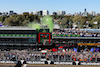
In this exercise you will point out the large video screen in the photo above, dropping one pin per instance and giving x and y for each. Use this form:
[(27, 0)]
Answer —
[(44, 37)]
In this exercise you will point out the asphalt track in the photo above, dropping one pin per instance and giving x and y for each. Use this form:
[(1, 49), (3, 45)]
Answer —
[(29, 65)]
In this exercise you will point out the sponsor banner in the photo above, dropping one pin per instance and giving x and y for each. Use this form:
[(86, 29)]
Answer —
[(29, 62), (35, 62), (40, 62), (8, 62), (89, 44), (17, 35), (90, 63), (64, 35), (65, 63), (15, 44)]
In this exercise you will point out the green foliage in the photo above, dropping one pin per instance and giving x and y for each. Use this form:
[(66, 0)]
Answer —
[(2, 18), (65, 22), (23, 20), (95, 19), (12, 21), (20, 20)]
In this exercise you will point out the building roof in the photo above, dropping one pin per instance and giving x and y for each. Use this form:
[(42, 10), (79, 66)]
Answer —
[(15, 28), (93, 30)]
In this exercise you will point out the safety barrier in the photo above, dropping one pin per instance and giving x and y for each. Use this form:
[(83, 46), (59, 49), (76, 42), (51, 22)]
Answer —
[(70, 58)]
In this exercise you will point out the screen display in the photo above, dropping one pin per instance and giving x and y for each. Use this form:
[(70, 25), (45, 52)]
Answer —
[(44, 37)]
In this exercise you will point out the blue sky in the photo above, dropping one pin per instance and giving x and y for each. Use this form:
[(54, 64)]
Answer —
[(70, 6)]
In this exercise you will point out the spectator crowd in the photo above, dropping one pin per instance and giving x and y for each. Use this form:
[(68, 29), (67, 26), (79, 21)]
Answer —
[(81, 32), (84, 55)]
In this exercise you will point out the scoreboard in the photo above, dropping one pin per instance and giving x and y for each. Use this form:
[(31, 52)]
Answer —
[(44, 36)]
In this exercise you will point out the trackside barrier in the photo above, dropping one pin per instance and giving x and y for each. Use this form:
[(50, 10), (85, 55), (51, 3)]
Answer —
[(90, 63), (8, 62), (35, 62), (68, 58), (29, 62), (64, 63), (58, 63)]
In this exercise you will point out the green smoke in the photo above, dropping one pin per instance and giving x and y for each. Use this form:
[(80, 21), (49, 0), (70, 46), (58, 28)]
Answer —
[(47, 20), (34, 25)]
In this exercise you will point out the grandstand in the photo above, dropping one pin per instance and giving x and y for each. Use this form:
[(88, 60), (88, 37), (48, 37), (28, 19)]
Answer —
[(22, 37), (25, 38), (61, 45), (75, 38), (17, 37)]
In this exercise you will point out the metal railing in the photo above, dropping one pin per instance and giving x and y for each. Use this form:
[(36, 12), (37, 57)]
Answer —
[(51, 56), (76, 37)]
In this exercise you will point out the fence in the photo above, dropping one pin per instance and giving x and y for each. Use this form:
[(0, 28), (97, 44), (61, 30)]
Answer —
[(50, 56)]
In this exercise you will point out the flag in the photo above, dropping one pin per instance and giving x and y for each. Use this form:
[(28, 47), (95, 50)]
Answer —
[(97, 49), (1, 24), (86, 22), (60, 22), (92, 49), (41, 19), (69, 22), (78, 22), (96, 22), (75, 49)]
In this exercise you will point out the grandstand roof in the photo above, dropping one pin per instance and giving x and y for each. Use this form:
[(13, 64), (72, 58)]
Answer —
[(15, 28), (93, 30)]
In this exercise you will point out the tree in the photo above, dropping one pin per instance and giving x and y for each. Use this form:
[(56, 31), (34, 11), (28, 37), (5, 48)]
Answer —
[(80, 21), (12, 21), (65, 23), (25, 22), (2, 18), (95, 19), (21, 20)]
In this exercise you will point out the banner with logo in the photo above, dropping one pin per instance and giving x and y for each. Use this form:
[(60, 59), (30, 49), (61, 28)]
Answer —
[(89, 44)]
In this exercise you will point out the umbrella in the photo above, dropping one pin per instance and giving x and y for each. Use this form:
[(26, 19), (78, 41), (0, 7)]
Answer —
[(54, 49), (61, 47)]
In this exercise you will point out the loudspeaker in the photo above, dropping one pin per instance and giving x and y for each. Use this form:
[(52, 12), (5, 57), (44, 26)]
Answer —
[(46, 62), (52, 62), (74, 63), (18, 64), (79, 63), (24, 62)]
